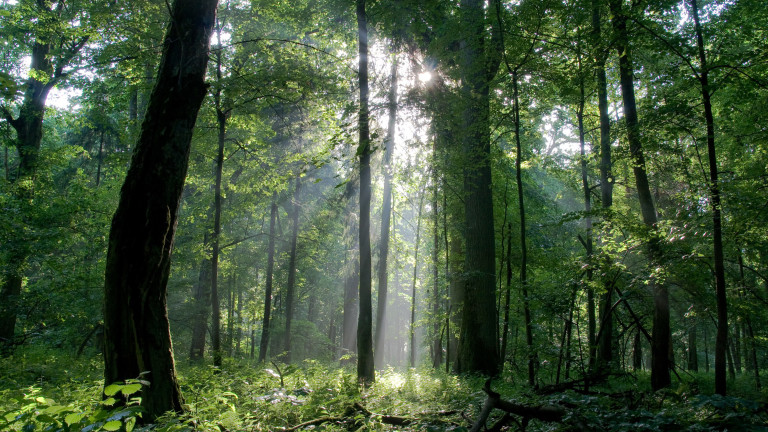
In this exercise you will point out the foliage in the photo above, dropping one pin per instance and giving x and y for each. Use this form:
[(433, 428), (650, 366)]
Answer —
[(243, 396)]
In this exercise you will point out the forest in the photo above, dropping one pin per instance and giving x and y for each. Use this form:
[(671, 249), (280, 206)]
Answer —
[(462, 215)]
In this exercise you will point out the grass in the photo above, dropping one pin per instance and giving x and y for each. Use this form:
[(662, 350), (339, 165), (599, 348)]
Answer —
[(48, 391)]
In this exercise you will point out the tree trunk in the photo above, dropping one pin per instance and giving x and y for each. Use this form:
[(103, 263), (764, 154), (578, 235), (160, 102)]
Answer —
[(523, 241), (717, 231), (265, 325), (507, 299), (478, 349), (351, 294), (588, 246), (412, 327), (291, 286), (693, 353), (201, 303), (660, 362), (605, 334), (365, 367), (437, 341), (221, 118), (386, 213), (137, 333)]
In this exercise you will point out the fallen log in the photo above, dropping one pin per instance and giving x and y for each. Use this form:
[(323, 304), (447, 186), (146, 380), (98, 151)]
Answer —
[(550, 413)]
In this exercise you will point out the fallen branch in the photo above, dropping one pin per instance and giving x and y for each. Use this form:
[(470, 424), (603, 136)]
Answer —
[(549, 413)]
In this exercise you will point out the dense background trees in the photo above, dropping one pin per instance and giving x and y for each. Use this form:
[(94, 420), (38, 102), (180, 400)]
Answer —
[(556, 174)]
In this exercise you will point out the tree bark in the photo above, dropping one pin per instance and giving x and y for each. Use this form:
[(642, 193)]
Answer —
[(365, 366), (660, 344), (386, 213), (721, 340), (265, 325), (291, 286), (478, 349), (137, 333)]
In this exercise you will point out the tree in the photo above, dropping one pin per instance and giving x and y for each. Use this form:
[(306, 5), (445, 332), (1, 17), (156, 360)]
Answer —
[(478, 348), (386, 214), (51, 54), (136, 329), (365, 368), (660, 362)]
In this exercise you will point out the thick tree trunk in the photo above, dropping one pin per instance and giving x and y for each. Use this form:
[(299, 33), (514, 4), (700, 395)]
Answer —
[(660, 361), (386, 213), (291, 286), (717, 230), (265, 324), (478, 349), (365, 367), (137, 333)]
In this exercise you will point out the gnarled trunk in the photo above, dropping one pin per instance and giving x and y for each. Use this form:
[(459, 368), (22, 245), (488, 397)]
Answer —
[(137, 333)]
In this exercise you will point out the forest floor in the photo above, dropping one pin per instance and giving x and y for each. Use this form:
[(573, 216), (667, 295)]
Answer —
[(50, 391)]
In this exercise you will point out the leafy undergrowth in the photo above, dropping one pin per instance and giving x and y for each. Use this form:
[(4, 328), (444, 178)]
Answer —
[(59, 394)]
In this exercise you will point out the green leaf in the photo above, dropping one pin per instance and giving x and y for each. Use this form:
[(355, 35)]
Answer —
[(74, 418), (112, 425), (130, 389), (112, 389)]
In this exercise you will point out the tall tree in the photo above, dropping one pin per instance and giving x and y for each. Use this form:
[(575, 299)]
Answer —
[(137, 336), (412, 327), (266, 323), (721, 341), (386, 214), (365, 367), (660, 344), (600, 54), (51, 53), (290, 289), (478, 348)]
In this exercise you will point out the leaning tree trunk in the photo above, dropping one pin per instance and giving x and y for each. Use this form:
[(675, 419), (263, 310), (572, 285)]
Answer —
[(265, 324), (721, 340), (290, 289), (365, 318), (660, 344), (136, 329), (386, 213), (478, 349)]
